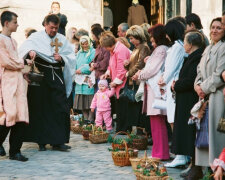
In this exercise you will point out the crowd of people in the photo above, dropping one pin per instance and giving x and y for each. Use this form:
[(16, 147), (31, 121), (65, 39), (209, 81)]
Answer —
[(150, 76)]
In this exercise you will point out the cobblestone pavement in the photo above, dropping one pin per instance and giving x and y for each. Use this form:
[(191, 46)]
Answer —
[(84, 161)]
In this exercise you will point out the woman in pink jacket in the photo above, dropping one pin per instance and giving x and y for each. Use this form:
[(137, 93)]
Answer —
[(154, 64), (118, 54), (101, 101)]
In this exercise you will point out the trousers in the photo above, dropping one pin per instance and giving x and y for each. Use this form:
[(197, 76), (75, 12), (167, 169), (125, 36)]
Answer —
[(104, 116), (15, 138)]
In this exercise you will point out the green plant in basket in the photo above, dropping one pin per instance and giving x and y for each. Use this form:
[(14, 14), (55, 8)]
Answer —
[(121, 140), (87, 127)]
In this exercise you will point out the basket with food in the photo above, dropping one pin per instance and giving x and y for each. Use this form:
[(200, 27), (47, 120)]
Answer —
[(98, 136), (118, 142), (139, 142), (122, 157)]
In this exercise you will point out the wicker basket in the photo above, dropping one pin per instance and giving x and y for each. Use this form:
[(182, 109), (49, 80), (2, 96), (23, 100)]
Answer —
[(102, 137), (143, 177), (122, 158), (154, 163), (72, 122), (85, 134), (134, 162), (120, 146), (142, 142), (77, 129)]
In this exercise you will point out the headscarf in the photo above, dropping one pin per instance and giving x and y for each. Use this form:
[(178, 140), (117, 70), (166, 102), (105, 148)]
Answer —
[(85, 39)]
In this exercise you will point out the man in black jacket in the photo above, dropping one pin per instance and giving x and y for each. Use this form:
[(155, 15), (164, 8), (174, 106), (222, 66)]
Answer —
[(55, 9)]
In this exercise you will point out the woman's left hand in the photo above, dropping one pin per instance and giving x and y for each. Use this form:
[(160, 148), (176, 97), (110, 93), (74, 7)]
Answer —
[(199, 91), (218, 174), (78, 71), (112, 84), (135, 77)]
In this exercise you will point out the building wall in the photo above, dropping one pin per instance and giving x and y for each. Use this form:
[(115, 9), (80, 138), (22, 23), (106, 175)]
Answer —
[(80, 13), (207, 10)]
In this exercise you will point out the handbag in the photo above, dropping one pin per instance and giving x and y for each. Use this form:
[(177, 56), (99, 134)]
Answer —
[(128, 94), (221, 125), (159, 103), (140, 92), (202, 139)]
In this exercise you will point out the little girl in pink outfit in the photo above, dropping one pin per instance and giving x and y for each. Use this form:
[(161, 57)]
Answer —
[(101, 100)]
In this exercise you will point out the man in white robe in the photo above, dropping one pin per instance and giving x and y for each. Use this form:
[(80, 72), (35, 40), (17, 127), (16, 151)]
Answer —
[(48, 103)]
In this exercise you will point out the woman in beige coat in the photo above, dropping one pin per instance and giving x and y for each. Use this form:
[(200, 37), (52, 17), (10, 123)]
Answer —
[(208, 82)]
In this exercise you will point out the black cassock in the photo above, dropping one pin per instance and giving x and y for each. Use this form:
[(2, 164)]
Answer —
[(48, 107)]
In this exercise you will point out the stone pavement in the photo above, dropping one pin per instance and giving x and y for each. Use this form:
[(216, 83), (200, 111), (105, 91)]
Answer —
[(85, 161)]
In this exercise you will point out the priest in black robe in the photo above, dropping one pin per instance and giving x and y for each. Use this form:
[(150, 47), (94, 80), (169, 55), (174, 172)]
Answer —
[(48, 105)]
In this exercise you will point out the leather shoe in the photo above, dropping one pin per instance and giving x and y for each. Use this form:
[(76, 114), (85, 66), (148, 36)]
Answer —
[(60, 147), (18, 157), (2, 151), (178, 162), (195, 173), (67, 147), (185, 172), (150, 141), (42, 147)]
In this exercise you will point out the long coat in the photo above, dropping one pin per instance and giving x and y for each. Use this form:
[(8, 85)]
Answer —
[(152, 67), (137, 61), (136, 15), (209, 70), (83, 61), (13, 98), (186, 97), (174, 61)]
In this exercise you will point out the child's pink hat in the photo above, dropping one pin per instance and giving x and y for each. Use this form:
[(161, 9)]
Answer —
[(103, 82)]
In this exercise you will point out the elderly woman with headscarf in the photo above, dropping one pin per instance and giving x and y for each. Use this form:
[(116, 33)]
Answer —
[(84, 94)]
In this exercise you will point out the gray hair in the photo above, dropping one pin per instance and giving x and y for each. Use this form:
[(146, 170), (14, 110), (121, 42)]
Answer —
[(124, 27), (81, 32), (195, 38)]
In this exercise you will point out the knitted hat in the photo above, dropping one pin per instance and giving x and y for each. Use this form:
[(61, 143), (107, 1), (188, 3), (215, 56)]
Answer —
[(103, 82)]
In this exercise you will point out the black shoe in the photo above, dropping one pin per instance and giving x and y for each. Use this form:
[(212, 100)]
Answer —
[(185, 172), (87, 122), (42, 147), (195, 173), (60, 147), (68, 147), (150, 141), (18, 157), (2, 151)]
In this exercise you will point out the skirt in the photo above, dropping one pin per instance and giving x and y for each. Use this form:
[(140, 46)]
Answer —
[(82, 102)]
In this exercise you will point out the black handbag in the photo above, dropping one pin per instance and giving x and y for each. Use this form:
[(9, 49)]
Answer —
[(202, 139), (128, 94)]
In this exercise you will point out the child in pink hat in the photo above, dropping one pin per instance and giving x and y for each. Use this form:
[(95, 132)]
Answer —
[(101, 101)]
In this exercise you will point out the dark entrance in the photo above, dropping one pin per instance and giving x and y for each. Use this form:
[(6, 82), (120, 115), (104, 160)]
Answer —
[(120, 11)]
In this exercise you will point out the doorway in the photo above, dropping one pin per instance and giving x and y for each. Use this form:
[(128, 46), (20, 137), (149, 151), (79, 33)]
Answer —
[(120, 11)]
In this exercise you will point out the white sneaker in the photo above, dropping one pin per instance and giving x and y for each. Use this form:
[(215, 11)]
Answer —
[(179, 161)]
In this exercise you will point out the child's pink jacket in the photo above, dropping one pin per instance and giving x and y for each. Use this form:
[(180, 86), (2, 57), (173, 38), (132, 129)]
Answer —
[(101, 100)]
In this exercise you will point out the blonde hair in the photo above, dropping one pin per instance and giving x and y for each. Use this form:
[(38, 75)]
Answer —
[(146, 27), (124, 41), (107, 39), (69, 34), (137, 32)]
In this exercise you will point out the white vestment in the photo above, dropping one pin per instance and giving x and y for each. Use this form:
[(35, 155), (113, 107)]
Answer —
[(40, 43)]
